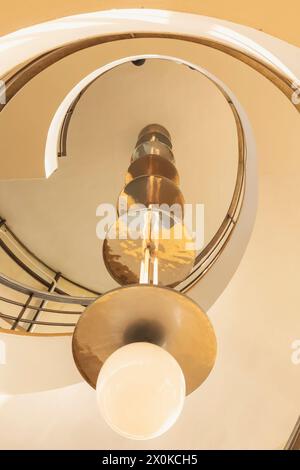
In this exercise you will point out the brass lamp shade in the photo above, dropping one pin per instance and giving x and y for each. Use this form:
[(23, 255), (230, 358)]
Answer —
[(145, 313)]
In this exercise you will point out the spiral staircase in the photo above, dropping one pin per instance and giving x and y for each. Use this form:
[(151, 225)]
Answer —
[(55, 75)]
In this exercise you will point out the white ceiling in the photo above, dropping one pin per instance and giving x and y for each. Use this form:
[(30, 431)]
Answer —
[(56, 218)]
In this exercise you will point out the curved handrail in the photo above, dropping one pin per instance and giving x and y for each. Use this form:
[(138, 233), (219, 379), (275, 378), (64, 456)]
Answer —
[(67, 299), (35, 322)]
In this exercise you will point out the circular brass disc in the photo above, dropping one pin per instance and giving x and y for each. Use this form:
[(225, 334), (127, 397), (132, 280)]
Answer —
[(149, 190), (155, 136), (174, 249), (155, 129), (152, 165), (145, 313)]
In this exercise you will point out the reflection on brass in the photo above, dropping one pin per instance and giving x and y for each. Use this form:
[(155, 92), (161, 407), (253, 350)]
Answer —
[(152, 165), (154, 140), (148, 190), (173, 248), (150, 245), (152, 180), (159, 314)]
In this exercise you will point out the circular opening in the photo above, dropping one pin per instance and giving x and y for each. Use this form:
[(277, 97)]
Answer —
[(101, 137)]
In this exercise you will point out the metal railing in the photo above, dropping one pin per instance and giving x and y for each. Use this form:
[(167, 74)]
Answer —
[(35, 301)]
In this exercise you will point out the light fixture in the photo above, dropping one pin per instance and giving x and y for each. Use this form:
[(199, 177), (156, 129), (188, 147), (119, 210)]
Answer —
[(145, 345), (141, 390)]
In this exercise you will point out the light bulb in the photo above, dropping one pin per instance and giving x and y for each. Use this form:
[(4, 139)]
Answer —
[(140, 391)]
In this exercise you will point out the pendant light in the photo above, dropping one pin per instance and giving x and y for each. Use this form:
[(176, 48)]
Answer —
[(144, 346)]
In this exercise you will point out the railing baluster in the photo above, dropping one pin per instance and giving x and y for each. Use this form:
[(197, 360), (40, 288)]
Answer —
[(19, 317), (51, 288)]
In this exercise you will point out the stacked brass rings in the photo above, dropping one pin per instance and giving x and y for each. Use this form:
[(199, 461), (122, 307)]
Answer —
[(151, 185)]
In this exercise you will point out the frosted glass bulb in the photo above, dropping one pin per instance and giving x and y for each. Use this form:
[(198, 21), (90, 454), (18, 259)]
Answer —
[(140, 391)]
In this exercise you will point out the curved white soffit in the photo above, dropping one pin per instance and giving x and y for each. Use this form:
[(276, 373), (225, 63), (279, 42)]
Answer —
[(34, 363), (54, 131), (216, 279), (27, 43)]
